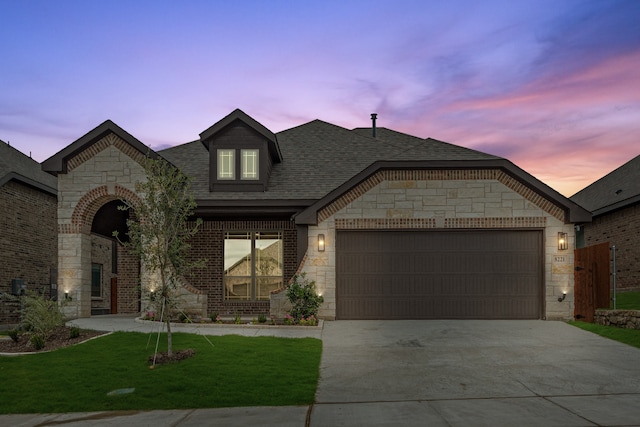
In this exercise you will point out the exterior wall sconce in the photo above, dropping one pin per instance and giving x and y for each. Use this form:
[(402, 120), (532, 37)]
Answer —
[(563, 244), (564, 295), (320, 242), (66, 295)]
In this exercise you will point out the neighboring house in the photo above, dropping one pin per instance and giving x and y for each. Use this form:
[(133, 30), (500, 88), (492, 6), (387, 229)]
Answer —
[(614, 202), (28, 230), (388, 225)]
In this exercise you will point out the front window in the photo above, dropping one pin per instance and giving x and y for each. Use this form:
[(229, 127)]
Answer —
[(226, 164), (96, 280), (252, 265), (249, 164)]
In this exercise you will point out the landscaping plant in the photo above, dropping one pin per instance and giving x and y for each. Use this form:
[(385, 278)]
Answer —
[(40, 314), (40, 317), (159, 233), (303, 297)]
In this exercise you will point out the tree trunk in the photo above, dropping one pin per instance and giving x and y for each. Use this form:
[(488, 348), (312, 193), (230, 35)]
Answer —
[(169, 341)]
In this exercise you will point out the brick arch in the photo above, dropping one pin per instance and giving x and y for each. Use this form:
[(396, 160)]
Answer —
[(88, 205)]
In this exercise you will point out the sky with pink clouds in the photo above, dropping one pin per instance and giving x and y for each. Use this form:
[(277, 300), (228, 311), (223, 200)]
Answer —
[(553, 86)]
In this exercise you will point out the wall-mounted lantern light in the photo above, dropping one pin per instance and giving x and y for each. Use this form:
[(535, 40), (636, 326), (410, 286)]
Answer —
[(320, 242), (563, 244), (564, 295), (66, 295)]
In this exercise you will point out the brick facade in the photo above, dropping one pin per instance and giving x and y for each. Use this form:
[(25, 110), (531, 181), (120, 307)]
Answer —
[(128, 281), (208, 244), (28, 244), (619, 228)]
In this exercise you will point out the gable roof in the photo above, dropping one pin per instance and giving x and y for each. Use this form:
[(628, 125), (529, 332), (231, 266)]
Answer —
[(238, 114), (58, 162), (618, 189), (16, 166)]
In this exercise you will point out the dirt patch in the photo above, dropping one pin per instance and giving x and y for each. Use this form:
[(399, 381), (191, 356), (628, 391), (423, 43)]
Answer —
[(59, 338), (162, 358)]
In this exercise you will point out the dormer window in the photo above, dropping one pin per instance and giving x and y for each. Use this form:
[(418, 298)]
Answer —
[(242, 154), (226, 164), (250, 164)]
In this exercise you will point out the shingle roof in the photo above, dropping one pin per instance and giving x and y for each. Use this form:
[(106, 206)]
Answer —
[(618, 189), (319, 157), (14, 165)]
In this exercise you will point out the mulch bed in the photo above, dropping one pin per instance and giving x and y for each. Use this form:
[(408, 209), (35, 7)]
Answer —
[(162, 358), (58, 339)]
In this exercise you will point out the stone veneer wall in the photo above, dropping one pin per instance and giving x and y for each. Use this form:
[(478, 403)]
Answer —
[(105, 171), (444, 199), (629, 319), (619, 228), (28, 243)]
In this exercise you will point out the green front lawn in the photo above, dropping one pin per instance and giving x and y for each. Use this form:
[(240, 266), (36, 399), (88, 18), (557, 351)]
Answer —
[(626, 336), (626, 301), (235, 371)]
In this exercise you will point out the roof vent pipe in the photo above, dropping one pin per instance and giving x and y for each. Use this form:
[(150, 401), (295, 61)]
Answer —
[(374, 116)]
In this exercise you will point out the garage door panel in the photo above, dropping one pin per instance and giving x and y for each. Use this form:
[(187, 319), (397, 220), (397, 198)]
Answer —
[(443, 274)]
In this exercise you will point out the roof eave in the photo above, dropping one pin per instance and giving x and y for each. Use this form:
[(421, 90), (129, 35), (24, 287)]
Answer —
[(282, 208), (12, 176), (616, 206)]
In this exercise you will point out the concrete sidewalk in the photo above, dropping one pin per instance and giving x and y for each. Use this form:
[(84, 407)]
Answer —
[(435, 373)]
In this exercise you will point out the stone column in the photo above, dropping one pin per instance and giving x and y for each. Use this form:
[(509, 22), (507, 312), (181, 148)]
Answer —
[(74, 274)]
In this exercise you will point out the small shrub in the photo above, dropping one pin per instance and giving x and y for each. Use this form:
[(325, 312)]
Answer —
[(302, 295), (309, 321), (149, 315), (237, 319), (184, 318), (254, 321), (41, 315), (214, 316), (74, 332), (37, 341), (289, 320), (14, 334), (262, 318)]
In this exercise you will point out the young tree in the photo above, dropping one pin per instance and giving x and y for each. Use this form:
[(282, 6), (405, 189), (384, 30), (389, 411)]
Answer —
[(159, 233)]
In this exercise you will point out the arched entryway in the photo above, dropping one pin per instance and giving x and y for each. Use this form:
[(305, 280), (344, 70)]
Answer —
[(95, 174), (114, 270), (98, 274)]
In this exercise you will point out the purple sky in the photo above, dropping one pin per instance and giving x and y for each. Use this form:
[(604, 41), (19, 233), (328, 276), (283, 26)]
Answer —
[(554, 86)]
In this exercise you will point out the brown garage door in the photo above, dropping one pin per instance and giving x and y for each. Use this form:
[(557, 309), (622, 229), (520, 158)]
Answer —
[(438, 274)]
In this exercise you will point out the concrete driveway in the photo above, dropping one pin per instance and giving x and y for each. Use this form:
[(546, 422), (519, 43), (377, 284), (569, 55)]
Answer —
[(478, 373)]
